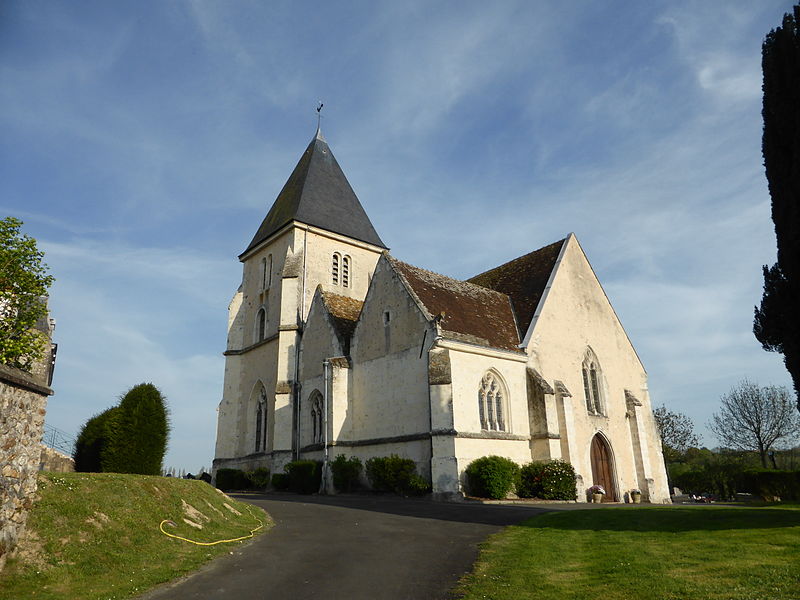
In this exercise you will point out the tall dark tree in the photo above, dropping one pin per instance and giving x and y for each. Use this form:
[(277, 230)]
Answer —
[(777, 320), (138, 438)]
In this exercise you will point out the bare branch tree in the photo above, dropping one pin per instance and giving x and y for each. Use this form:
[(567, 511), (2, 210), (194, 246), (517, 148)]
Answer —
[(676, 431), (756, 419)]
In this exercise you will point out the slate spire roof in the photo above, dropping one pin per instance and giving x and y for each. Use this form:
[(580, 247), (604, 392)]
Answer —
[(317, 193)]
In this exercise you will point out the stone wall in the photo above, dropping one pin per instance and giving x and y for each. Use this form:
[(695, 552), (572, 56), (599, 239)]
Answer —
[(23, 398), (55, 461)]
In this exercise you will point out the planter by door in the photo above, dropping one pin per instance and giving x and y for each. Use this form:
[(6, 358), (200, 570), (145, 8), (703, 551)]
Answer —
[(597, 498)]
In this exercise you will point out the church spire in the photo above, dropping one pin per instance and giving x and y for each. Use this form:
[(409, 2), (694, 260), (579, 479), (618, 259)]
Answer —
[(317, 193)]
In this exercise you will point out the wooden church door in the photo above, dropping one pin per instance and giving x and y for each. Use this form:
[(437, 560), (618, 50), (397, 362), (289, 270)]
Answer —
[(602, 469)]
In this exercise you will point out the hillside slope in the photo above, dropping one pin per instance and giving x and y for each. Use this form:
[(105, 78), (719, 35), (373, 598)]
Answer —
[(99, 535)]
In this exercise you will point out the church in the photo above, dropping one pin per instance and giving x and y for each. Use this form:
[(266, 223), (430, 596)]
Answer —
[(337, 347)]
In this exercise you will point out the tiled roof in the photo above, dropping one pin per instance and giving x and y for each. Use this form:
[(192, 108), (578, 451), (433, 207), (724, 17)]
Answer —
[(523, 279), (344, 312), (471, 313), (317, 193)]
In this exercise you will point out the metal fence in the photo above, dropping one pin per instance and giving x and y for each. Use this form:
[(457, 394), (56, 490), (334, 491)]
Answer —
[(58, 440)]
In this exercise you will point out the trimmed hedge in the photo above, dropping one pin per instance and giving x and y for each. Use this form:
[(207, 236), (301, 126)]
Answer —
[(770, 484), (91, 442), (304, 476), (137, 434), (395, 474), (280, 482), (236, 479), (232, 479), (554, 480), (492, 477), (346, 472)]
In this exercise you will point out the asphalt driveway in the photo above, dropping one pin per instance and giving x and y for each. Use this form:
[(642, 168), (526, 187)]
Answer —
[(351, 547)]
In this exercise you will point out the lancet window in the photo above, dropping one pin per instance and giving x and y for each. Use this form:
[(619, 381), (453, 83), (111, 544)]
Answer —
[(492, 403), (337, 259), (346, 271), (261, 325), (261, 422), (316, 418), (592, 389)]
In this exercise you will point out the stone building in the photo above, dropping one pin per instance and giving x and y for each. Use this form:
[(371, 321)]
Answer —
[(336, 347), (23, 403)]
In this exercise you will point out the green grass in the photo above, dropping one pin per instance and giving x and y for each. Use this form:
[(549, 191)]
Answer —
[(706, 553), (96, 535)]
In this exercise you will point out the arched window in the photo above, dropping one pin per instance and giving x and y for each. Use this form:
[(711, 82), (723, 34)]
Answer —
[(316, 425), (335, 268), (261, 421), (346, 271), (592, 390), (492, 403), (261, 325)]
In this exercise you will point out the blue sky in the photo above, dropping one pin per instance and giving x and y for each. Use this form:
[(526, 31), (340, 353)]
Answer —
[(143, 142)]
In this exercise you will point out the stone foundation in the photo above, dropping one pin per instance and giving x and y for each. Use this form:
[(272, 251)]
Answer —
[(23, 399)]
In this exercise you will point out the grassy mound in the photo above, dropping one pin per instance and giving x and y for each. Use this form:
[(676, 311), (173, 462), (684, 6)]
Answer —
[(719, 552), (97, 535)]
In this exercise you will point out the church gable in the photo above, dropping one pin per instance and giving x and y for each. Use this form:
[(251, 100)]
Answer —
[(575, 311)]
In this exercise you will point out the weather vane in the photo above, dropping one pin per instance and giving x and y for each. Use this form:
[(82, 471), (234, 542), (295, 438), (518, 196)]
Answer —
[(319, 113)]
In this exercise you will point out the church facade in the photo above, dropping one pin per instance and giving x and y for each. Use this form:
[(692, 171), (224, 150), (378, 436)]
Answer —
[(336, 347)]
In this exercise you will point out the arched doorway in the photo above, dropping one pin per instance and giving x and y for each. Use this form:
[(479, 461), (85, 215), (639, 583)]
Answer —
[(603, 467)]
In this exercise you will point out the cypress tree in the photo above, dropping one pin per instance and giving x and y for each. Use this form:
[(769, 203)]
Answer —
[(138, 441), (777, 320), (92, 440)]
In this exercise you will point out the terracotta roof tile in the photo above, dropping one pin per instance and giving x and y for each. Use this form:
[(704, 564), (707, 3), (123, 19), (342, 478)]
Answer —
[(523, 279), (344, 311), (471, 313)]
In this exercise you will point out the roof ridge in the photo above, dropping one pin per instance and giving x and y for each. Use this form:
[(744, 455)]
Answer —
[(460, 281)]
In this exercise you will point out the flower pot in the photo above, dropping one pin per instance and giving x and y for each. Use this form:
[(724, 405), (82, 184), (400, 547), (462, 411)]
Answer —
[(637, 498), (597, 498)]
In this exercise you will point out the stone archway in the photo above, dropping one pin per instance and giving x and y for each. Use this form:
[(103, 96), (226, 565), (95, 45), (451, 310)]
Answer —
[(603, 467)]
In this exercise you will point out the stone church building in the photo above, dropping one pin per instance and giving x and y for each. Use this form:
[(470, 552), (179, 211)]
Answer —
[(336, 347)]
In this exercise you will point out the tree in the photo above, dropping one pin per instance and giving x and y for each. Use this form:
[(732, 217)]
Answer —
[(756, 419), (92, 441), (777, 320), (23, 290), (677, 433), (137, 440)]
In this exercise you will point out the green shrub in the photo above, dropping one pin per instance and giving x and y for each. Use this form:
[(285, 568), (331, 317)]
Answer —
[(137, 435), (391, 473), (492, 477), (559, 481), (280, 482), (770, 484), (258, 479), (530, 480), (418, 485), (232, 479), (304, 476), (346, 472), (92, 441)]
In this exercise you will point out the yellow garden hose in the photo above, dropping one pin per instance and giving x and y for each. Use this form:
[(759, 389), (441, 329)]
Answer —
[(239, 539)]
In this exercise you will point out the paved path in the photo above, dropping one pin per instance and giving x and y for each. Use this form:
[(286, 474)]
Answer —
[(351, 547)]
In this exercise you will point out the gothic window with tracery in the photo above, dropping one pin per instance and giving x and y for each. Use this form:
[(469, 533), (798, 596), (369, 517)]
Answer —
[(491, 403), (592, 390)]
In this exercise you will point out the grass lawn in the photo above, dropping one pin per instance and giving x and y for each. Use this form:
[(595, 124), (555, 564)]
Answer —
[(702, 553), (96, 535)]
